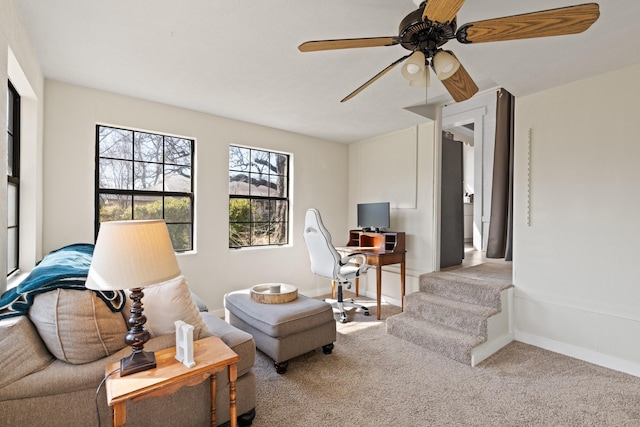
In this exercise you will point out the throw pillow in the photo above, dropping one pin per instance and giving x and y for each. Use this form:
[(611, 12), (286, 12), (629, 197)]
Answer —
[(77, 326), (22, 352), (165, 303)]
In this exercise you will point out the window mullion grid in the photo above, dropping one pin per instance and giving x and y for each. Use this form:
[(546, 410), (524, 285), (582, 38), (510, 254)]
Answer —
[(270, 221), (132, 192)]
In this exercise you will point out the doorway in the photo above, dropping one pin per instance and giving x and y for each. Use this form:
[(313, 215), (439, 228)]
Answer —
[(451, 202), (463, 134), (472, 123), (457, 249)]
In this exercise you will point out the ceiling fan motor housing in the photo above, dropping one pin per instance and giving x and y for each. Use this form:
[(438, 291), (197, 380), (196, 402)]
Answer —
[(425, 36)]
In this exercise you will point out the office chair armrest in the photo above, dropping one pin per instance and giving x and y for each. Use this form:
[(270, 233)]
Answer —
[(356, 257)]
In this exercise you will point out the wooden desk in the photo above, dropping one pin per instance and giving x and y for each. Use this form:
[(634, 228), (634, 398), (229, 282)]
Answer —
[(211, 356), (381, 249)]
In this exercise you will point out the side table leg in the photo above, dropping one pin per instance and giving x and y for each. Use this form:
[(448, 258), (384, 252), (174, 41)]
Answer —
[(120, 414), (213, 399), (403, 274), (378, 287), (233, 411)]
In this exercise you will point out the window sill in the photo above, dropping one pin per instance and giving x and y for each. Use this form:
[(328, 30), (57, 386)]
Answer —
[(16, 278), (186, 253), (259, 248)]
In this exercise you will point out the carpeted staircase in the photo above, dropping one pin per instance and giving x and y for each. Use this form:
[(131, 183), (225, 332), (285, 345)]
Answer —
[(460, 314)]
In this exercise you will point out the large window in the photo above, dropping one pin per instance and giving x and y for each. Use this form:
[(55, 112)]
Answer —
[(258, 197), (13, 179), (141, 175)]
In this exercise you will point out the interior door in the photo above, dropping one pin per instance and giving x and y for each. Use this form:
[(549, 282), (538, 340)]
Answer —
[(451, 203)]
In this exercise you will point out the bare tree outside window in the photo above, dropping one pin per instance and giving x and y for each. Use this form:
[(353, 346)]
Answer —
[(258, 197), (141, 175)]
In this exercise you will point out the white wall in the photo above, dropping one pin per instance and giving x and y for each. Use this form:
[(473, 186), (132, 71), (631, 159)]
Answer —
[(19, 63), (577, 288), (385, 169), (319, 180), (418, 222)]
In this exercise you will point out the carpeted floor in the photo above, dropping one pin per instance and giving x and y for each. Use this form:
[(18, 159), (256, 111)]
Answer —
[(375, 379)]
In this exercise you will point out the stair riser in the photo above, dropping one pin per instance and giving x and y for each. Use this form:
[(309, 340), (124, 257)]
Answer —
[(463, 292), (456, 319), (435, 343)]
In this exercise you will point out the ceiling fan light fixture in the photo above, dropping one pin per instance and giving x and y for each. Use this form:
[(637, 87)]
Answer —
[(424, 81), (414, 68), (445, 64)]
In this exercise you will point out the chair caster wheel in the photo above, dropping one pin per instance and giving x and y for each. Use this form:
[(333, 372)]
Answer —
[(343, 318), (366, 313), (327, 349), (281, 367)]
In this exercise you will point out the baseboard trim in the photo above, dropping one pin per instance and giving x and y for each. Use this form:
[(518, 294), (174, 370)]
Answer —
[(316, 293), (383, 298), (580, 353), (488, 348)]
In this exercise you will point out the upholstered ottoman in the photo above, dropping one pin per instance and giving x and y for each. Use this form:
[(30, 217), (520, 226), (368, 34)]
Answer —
[(283, 331)]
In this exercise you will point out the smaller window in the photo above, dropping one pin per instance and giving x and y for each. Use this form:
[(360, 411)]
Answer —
[(258, 197), (13, 179)]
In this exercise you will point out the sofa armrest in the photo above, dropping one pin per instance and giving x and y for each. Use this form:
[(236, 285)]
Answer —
[(61, 377), (239, 341)]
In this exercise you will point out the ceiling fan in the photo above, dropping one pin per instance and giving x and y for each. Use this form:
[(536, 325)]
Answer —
[(433, 24)]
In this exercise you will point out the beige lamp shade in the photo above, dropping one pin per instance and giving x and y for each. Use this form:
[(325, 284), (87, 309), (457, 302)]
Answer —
[(132, 254), (424, 81), (445, 64), (413, 68)]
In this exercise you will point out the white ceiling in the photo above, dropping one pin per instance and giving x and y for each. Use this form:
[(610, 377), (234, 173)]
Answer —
[(239, 58)]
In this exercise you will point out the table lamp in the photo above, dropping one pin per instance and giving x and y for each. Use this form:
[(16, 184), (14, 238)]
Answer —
[(133, 255)]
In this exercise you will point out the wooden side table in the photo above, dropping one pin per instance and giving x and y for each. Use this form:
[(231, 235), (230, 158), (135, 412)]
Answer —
[(211, 356)]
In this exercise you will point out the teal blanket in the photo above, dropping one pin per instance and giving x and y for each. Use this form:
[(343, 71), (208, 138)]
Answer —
[(66, 268)]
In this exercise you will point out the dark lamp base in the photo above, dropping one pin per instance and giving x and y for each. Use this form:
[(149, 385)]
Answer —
[(137, 362)]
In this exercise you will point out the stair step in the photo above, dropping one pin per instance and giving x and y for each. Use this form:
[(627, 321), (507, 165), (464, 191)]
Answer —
[(449, 315), (465, 317), (463, 289), (449, 342)]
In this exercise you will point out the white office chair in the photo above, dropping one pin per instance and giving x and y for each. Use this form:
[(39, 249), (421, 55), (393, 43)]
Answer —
[(327, 262)]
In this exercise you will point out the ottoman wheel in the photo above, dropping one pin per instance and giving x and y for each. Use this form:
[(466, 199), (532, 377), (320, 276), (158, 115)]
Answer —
[(281, 367), (327, 349)]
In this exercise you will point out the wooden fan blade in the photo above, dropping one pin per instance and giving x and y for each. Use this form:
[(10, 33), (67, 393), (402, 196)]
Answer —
[(316, 45), (460, 85), (441, 10), (374, 78), (553, 22)]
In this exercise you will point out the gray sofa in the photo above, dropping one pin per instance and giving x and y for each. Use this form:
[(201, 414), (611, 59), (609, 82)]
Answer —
[(37, 388)]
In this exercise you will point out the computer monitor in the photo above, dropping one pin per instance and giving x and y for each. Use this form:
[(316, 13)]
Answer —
[(374, 216)]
